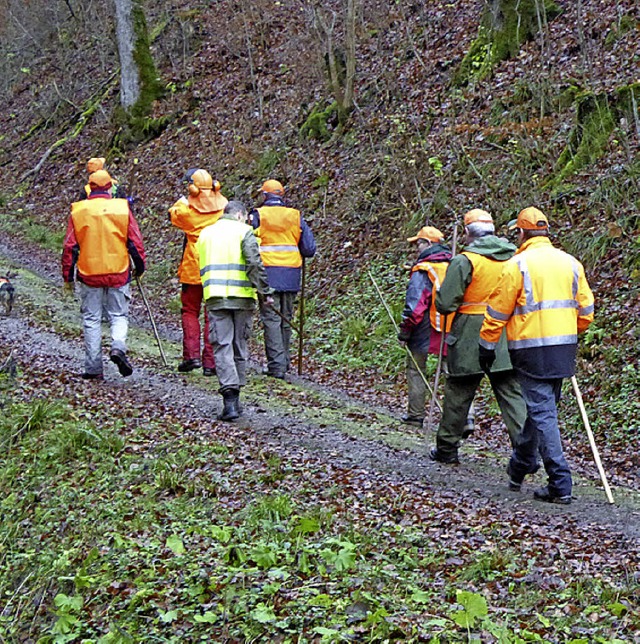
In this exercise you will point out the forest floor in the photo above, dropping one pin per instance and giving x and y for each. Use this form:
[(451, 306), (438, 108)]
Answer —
[(368, 458)]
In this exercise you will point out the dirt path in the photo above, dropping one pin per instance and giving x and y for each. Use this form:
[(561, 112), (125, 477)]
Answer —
[(299, 417)]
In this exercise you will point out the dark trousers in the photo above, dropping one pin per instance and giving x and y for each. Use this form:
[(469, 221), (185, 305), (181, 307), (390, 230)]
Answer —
[(277, 333), (458, 396), (191, 298), (541, 432)]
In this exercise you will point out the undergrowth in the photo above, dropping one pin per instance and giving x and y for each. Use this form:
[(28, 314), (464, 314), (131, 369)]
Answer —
[(119, 533)]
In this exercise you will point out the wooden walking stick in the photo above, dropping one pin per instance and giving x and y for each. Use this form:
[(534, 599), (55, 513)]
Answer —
[(592, 442), (443, 334), (301, 329), (406, 348), (153, 324)]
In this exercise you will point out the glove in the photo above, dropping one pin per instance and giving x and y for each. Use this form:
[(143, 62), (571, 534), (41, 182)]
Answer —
[(403, 336), (132, 201), (486, 357)]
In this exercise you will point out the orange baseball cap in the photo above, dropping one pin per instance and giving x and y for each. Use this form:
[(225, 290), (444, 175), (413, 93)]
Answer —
[(95, 163), (429, 233), (532, 219), (100, 179), (272, 186), (477, 215)]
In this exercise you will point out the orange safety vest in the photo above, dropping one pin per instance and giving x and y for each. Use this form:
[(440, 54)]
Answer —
[(486, 275), (101, 227), (436, 272), (279, 234)]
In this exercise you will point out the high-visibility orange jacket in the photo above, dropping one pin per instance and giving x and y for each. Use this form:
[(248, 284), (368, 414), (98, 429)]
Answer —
[(186, 216), (544, 301), (101, 235)]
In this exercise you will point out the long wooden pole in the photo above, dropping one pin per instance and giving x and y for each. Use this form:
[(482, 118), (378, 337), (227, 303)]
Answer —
[(592, 442), (301, 330), (406, 348), (153, 324)]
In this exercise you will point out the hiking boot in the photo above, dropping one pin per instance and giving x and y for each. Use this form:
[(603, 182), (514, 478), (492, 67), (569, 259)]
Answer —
[(189, 365), (442, 457), (208, 371), (416, 421), (120, 360), (231, 403), (92, 376), (543, 494), (514, 484)]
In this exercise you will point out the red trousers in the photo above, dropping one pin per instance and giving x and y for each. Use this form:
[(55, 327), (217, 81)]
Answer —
[(191, 298)]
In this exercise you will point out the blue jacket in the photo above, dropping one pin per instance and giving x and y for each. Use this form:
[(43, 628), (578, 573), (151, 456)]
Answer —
[(285, 278)]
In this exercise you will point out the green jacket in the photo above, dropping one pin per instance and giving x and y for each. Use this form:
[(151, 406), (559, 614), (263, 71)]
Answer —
[(462, 340)]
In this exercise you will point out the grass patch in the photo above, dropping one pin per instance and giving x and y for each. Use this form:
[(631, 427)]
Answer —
[(103, 542)]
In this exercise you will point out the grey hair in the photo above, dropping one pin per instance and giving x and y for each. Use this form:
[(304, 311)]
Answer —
[(235, 208), (480, 229)]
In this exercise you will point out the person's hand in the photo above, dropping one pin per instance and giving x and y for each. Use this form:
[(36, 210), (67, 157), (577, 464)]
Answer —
[(269, 301), (131, 200), (403, 336), (486, 357), (69, 286)]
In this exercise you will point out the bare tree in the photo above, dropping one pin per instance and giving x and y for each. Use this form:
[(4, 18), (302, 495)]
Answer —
[(341, 63), (139, 85)]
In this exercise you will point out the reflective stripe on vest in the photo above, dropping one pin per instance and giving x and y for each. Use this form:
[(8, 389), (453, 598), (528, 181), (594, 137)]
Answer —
[(101, 227), (436, 272), (279, 234), (530, 319), (486, 274), (223, 269)]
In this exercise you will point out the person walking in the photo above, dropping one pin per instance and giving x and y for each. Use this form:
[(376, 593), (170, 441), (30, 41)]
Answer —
[(202, 207), (470, 278), (232, 276), (544, 301), (421, 325), (102, 236), (285, 238), (117, 191)]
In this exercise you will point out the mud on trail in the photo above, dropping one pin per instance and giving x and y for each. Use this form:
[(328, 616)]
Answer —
[(295, 419)]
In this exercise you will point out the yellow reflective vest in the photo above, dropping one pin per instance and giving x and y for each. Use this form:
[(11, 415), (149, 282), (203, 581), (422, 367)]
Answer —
[(436, 272), (223, 269), (542, 298), (101, 227), (279, 234)]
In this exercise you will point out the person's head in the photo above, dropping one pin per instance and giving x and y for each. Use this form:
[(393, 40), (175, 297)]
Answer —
[(478, 223), (236, 210), (531, 222), (272, 187), (425, 238), (200, 180), (95, 163), (100, 180)]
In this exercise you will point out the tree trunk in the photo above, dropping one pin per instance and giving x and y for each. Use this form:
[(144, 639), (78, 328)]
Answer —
[(139, 85), (129, 73)]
